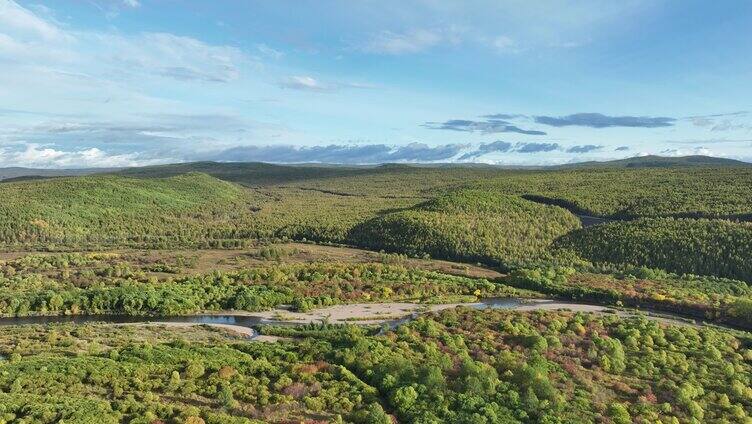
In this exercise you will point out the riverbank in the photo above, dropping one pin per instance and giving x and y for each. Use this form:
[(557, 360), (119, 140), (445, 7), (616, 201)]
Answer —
[(242, 323)]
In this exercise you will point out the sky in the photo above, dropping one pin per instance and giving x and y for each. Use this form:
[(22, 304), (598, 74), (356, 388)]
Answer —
[(111, 83)]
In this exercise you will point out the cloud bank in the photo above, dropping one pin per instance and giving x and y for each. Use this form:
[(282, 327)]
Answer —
[(584, 149), (509, 123), (79, 94), (170, 150), (598, 120), (308, 83), (409, 42), (486, 148), (489, 126), (345, 154), (32, 155)]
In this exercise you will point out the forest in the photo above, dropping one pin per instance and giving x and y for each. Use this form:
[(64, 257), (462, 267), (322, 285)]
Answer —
[(460, 366), (471, 226), (652, 304), (685, 246), (442, 212), (711, 299), (97, 284)]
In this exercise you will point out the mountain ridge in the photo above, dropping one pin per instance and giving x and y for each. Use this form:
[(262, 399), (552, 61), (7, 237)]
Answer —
[(9, 174)]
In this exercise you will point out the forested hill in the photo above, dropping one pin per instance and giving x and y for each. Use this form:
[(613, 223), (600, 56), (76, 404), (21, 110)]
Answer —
[(109, 209), (250, 173), (394, 207), (653, 161), (18, 173), (263, 173), (260, 173)]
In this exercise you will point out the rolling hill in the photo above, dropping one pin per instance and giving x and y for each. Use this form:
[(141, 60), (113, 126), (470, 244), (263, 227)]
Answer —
[(19, 173), (108, 209), (653, 161)]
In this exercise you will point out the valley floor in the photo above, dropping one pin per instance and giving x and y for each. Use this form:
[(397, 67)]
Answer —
[(352, 335)]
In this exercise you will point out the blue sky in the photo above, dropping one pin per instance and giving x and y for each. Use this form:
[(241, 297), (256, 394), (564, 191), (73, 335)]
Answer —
[(138, 82)]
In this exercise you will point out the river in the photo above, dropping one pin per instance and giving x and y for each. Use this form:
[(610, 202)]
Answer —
[(390, 314)]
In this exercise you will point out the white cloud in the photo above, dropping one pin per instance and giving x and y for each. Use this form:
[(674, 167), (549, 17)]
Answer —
[(689, 152), (305, 83), (168, 55), (388, 42), (28, 39), (732, 121), (532, 25), (707, 141), (10, 46), (111, 8), (308, 83), (504, 44), (33, 155), (269, 52), (25, 37), (24, 24)]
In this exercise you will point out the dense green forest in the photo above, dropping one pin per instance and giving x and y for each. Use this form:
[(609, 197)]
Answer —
[(102, 374), (97, 284), (712, 299), (432, 212), (493, 366), (470, 225), (632, 193), (111, 210), (470, 214), (216, 238), (689, 246), (459, 366), (671, 186), (140, 283)]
